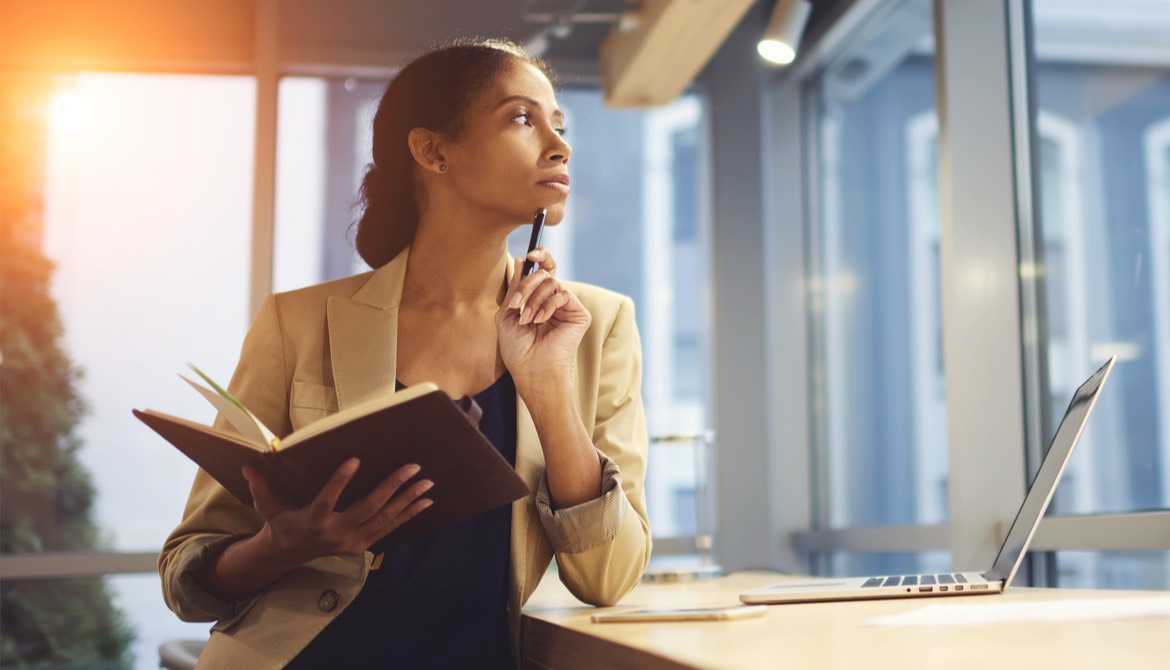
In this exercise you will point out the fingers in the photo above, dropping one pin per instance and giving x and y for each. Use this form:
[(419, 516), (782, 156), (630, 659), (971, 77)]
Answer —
[(543, 295), (327, 497), (264, 501), (258, 487), (376, 500), (519, 288), (400, 509), (546, 309), (544, 260), (389, 486), (388, 506), (538, 296)]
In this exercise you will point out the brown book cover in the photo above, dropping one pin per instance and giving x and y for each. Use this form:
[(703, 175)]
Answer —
[(420, 425)]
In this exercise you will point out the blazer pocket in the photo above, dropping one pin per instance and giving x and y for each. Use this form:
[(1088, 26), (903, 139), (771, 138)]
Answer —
[(309, 402)]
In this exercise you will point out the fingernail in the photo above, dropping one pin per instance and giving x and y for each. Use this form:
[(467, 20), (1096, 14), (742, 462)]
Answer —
[(537, 253), (423, 504), (425, 486), (539, 318), (412, 470), (525, 315), (516, 300), (351, 466)]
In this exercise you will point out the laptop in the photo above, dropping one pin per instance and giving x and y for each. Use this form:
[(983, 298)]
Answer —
[(1010, 556)]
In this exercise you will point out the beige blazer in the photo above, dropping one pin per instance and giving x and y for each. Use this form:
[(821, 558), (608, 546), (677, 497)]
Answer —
[(325, 347)]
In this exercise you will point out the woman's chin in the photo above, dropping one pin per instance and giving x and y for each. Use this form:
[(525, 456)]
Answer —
[(554, 213)]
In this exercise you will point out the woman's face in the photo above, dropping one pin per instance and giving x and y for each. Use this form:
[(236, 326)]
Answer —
[(511, 157)]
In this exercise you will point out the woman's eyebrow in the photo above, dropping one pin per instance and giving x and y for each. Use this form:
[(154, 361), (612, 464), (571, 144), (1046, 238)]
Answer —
[(556, 113)]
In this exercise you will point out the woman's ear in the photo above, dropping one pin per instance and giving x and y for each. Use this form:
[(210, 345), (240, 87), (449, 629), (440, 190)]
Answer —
[(424, 146)]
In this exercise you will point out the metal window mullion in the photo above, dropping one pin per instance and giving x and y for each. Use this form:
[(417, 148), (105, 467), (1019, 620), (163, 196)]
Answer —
[(1139, 531), (68, 565), (744, 521), (873, 539), (980, 276), (1033, 304), (264, 162), (1030, 233), (786, 309), (817, 418), (1135, 531)]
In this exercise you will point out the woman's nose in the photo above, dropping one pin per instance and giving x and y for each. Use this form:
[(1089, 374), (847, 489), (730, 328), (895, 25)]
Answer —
[(560, 151)]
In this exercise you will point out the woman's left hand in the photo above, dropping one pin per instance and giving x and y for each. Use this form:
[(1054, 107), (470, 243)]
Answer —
[(540, 325)]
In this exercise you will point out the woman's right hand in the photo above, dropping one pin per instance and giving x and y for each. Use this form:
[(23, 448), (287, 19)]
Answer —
[(293, 536), (302, 534)]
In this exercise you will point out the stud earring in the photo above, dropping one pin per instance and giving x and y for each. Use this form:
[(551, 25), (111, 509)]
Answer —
[(442, 167)]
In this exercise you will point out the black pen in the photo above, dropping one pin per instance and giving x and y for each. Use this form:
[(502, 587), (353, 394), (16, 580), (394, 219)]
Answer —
[(533, 242)]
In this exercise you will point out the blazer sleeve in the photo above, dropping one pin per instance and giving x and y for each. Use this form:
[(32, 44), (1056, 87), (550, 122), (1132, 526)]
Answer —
[(602, 546), (214, 518)]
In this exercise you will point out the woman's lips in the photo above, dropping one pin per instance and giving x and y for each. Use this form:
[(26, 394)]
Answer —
[(559, 183), (556, 186)]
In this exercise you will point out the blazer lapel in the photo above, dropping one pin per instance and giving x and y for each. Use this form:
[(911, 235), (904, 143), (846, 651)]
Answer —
[(363, 334)]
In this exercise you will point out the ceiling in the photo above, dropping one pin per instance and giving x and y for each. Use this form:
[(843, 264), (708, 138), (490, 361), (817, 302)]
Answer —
[(220, 35)]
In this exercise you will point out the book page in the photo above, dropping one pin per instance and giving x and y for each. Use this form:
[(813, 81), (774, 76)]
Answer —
[(237, 415)]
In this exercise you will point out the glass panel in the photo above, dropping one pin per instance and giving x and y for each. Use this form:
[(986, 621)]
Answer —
[(138, 189), (636, 223), (850, 564), (680, 499), (1102, 88), (148, 219), (878, 380), (323, 147), (1113, 569)]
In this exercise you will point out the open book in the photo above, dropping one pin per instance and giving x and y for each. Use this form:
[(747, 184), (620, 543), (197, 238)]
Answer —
[(419, 424)]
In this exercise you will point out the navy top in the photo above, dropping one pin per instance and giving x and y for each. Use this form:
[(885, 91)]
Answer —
[(439, 601)]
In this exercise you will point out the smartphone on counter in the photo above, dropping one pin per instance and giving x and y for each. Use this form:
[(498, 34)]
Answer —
[(533, 242), (733, 613)]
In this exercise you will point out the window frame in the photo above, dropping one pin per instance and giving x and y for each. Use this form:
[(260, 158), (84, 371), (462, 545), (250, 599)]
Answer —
[(987, 290)]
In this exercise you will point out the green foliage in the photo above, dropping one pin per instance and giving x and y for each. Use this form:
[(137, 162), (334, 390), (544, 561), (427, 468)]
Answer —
[(46, 497)]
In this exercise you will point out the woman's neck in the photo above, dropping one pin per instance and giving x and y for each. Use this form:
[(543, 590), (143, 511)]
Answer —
[(454, 269)]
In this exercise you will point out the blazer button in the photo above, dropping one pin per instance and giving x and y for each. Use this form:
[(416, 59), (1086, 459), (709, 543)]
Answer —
[(328, 600)]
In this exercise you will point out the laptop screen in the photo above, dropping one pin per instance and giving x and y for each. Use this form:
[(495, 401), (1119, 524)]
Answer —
[(1040, 492)]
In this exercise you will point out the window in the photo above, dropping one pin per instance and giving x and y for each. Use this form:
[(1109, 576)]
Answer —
[(1102, 88), (147, 188), (874, 256), (324, 136)]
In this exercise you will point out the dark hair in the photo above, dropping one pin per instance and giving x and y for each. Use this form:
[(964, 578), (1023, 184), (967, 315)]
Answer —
[(434, 92)]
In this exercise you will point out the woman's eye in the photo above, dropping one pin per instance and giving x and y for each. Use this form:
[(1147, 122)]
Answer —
[(525, 119)]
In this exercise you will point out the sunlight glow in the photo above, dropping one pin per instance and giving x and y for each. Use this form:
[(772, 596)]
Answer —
[(70, 111)]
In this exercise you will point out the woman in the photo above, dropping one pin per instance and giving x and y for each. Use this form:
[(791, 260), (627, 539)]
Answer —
[(468, 144)]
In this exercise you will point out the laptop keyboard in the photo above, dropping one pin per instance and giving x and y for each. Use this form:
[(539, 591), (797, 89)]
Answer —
[(915, 580)]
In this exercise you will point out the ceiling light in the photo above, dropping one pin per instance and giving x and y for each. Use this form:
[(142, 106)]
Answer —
[(781, 37)]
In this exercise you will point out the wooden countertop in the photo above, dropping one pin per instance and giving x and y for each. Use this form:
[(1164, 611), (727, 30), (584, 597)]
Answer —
[(558, 633)]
